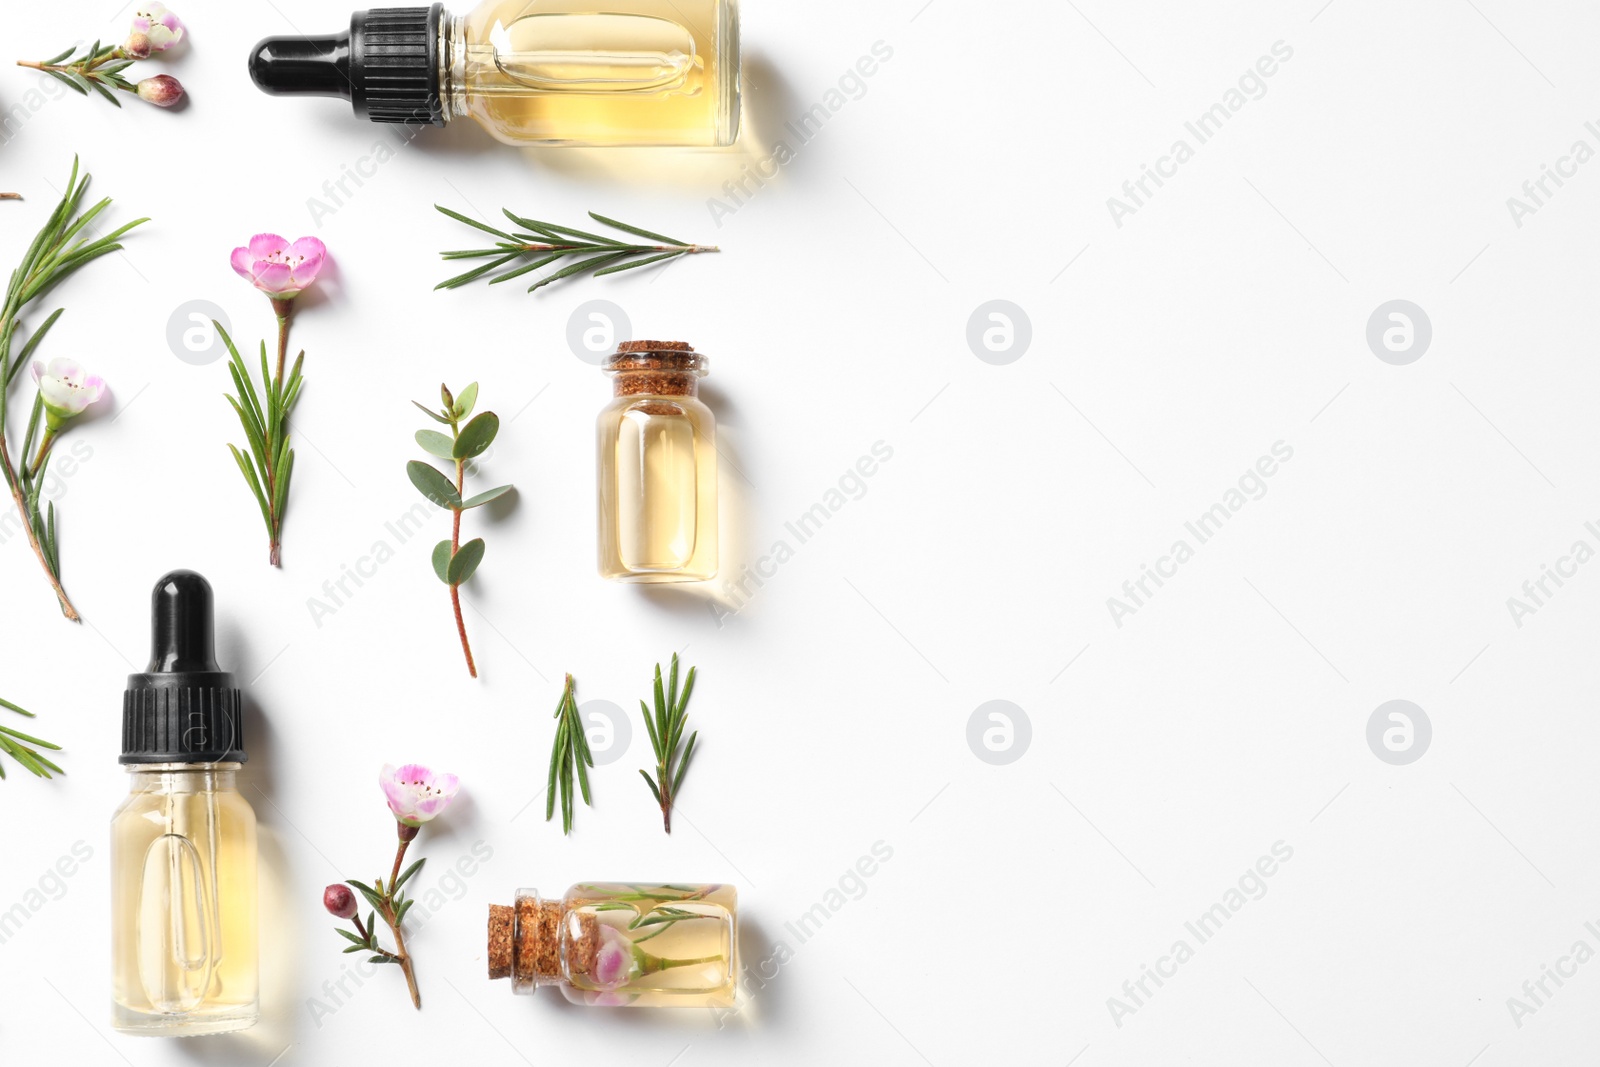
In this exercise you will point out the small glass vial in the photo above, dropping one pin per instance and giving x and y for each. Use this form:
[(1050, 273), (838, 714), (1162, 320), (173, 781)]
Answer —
[(183, 844), (657, 467), (628, 72), (613, 944)]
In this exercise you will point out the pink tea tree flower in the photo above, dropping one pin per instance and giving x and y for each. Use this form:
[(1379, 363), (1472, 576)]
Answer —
[(283, 270), (279, 268), (65, 390), (154, 29), (416, 795), (616, 963)]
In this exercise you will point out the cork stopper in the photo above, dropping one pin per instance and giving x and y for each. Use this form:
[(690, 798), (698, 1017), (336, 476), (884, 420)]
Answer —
[(655, 368), (525, 941), (500, 934)]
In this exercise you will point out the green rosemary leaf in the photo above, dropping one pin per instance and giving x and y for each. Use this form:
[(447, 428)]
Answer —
[(435, 443), (472, 222), (672, 683), (29, 738), (583, 779), (578, 268), (636, 231), (550, 786), (51, 548), (566, 793), (465, 561), (525, 268), (620, 267), (255, 486), (38, 335), (477, 272), (441, 560), (280, 488), (651, 783), (25, 756), (661, 712), (649, 724), (683, 764), (688, 687), (475, 253)]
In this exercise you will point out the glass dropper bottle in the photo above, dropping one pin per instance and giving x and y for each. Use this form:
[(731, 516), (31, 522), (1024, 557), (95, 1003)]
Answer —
[(632, 72), (184, 943)]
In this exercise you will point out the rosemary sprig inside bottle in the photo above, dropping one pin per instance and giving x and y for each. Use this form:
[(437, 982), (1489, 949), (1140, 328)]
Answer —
[(548, 242), (569, 758), (666, 737)]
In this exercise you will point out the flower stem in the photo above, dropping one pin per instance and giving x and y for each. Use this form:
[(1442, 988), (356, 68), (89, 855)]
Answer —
[(455, 590), (401, 954), (33, 538), (44, 447)]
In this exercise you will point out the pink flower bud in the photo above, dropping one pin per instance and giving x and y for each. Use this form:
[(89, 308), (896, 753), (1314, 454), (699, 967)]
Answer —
[(163, 90), (340, 902), (137, 46)]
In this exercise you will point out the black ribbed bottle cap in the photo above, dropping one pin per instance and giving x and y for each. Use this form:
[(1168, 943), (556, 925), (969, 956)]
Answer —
[(183, 708), (386, 65)]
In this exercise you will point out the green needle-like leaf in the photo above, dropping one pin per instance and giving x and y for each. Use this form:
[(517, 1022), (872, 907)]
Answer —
[(545, 243)]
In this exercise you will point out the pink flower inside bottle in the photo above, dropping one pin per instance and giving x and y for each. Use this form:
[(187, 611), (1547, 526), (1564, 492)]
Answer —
[(616, 944)]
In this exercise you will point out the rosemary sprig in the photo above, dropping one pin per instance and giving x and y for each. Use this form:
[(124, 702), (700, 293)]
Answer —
[(270, 463), (56, 252), (453, 561), (666, 737), (546, 242), (17, 745), (98, 68), (569, 758)]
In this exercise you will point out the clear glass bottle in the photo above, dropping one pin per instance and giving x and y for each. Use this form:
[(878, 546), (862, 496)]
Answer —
[(657, 464), (614, 944), (184, 942), (629, 72)]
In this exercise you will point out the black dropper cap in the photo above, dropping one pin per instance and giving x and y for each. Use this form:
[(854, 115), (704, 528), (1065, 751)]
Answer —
[(183, 708), (386, 65)]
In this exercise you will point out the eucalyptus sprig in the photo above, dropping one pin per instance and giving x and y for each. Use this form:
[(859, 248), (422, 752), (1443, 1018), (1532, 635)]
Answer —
[(17, 745), (56, 252), (569, 758), (666, 738), (453, 561), (546, 242)]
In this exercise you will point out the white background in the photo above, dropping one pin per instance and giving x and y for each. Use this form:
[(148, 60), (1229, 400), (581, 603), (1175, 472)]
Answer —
[(1167, 754)]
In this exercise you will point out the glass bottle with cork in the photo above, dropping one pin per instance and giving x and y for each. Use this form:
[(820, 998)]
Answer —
[(657, 464), (633, 72), (612, 944)]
